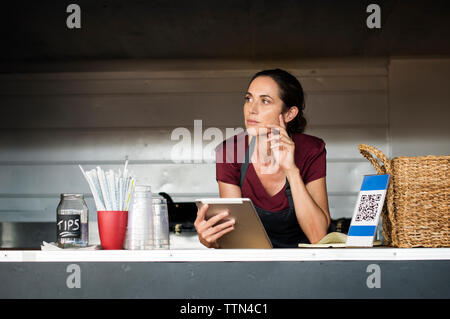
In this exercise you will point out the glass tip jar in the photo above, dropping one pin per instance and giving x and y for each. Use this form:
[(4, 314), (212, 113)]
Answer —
[(72, 217)]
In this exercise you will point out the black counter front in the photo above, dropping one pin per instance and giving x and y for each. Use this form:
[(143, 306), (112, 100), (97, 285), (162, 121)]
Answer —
[(255, 274)]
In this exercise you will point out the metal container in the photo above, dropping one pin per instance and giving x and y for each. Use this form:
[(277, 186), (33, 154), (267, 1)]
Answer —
[(72, 217), (139, 234), (160, 224)]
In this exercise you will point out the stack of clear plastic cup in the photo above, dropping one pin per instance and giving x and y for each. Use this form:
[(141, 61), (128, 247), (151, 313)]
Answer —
[(160, 224), (139, 234)]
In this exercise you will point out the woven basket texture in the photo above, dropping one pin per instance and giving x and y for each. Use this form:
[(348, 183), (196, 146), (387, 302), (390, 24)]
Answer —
[(416, 213)]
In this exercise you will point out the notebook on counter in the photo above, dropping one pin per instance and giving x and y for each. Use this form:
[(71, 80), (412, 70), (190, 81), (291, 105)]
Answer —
[(333, 240)]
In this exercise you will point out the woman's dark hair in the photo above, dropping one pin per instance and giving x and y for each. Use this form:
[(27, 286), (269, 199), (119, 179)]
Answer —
[(291, 93)]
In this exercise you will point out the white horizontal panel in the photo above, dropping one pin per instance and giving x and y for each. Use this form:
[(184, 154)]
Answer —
[(184, 178), (109, 145), (97, 145), (420, 112), (347, 177), (417, 144), (343, 83), (342, 206), (124, 86), (346, 108), (343, 184), (342, 142), (44, 209), (36, 209), (187, 68), (170, 178), (162, 110), (122, 110), (178, 85)]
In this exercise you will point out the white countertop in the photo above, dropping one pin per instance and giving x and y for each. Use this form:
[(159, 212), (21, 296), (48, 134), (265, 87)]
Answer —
[(226, 255)]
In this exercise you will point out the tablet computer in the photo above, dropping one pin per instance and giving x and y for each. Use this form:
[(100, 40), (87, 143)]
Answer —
[(248, 230)]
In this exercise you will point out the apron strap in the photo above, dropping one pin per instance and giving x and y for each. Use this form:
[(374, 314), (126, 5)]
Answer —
[(289, 195), (244, 165)]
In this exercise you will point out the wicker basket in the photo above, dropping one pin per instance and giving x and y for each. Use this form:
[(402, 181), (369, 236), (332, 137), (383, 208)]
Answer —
[(417, 211)]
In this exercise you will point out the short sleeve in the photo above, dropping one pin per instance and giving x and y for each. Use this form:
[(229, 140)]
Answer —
[(226, 171), (316, 163)]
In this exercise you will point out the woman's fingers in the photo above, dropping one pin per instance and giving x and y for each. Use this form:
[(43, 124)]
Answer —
[(211, 231), (281, 128), (269, 130), (205, 224), (209, 234), (281, 146), (201, 212), (280, 138), (207, 230), (281, 135), (281, 143), (215, 219), (261, 129), (258, 129), (219, 234)]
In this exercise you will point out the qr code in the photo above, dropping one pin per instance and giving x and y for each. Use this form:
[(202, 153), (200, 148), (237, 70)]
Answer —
[(367, 210)]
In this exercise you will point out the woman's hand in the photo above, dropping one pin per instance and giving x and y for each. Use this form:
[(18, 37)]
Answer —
[(207, 230), (282, 146)]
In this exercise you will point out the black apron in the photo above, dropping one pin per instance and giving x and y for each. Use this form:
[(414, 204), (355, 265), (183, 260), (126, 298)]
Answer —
[(282, 227)]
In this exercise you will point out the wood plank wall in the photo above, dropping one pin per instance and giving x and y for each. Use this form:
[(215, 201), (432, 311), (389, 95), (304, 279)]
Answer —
[(51, 122)]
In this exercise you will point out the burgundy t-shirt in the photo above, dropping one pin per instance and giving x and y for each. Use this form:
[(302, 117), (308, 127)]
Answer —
[(310, 158)]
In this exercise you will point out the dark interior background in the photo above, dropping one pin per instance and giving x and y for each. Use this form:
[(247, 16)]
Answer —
[(35, 31)]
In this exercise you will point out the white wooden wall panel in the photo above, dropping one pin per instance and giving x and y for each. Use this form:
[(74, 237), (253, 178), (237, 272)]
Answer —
[(146, 84), (50, 122), (34, 190), (32, 209), (149, 145), (420, 106), (177, 178), (43, 209), (177, 109)]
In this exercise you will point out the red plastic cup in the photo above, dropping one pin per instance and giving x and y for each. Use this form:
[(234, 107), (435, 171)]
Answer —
[(112, 226)]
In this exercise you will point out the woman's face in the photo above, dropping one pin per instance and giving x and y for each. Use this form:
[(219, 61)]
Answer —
[(262, 104)]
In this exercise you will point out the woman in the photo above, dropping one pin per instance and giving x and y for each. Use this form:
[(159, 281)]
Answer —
[(285, 178)]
